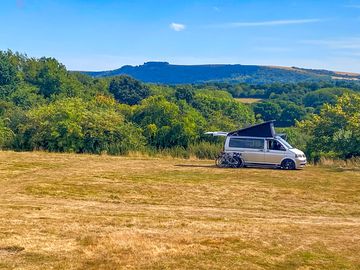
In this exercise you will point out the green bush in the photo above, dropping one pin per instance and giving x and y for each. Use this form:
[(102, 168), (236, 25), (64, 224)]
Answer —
[(226, 108), (206, 150), (6, 134), (166, 124), (72, 125), (128, 90), (335, 132)]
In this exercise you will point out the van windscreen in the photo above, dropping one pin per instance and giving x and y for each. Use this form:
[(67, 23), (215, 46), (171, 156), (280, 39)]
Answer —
[(288, 145)]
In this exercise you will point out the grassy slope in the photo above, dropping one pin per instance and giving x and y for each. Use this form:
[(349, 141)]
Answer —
[(99, 212), (248, 100)]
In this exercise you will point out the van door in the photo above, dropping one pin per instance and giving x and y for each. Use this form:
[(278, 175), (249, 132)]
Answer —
[(252, 150), (274, 152)]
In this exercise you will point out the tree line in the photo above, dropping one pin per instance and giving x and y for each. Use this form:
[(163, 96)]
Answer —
[(43, 106)]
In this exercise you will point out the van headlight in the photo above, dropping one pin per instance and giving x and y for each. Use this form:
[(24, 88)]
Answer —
[(299, 155)]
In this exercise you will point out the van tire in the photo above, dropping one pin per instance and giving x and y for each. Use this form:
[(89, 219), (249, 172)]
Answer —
[(288, 164)]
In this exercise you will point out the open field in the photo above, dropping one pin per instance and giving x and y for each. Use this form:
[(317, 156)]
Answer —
[(65, 211), (248, 100)]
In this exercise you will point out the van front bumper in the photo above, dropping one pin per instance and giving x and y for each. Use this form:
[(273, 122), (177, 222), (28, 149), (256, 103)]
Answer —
[(300, 163)]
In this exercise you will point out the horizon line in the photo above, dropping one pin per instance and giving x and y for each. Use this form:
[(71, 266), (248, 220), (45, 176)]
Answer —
[(224, 64)]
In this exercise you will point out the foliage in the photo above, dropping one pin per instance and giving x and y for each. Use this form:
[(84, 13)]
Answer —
[(226, 110), (206, 150), (336, 130), (290, 113), (167, 124), (267, 110), (319, 97), (185, 93), (295, 100), (6, 135), (74, 126), (128, 90), (27, 96), (7, 74), (51, 77), (44, 106)]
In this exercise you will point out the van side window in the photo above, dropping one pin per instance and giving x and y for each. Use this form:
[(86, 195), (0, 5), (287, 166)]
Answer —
[(246, 143), (275, 145)]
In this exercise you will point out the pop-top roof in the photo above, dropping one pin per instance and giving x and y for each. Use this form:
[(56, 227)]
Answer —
[(264, 130)]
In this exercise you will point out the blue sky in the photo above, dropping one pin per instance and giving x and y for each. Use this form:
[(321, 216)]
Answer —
[(101, 35)]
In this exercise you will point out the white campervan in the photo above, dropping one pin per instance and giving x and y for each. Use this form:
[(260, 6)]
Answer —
[(259, 146), (273, 151)]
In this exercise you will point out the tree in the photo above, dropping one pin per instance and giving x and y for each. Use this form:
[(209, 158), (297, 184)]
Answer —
[(236, 90), (167, 124), (128, 90), (267, 110), (335, 132), (51, 77), (72, 125), (225, 109), (26, 96), (319, 97), (7, 75), (184, 93), (290, 113), (6, 134)]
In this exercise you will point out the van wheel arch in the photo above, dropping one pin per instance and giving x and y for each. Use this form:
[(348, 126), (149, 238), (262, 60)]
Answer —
[(288, 164)]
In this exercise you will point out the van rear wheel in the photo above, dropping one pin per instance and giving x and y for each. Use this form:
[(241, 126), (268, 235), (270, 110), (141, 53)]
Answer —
[(288, 164)]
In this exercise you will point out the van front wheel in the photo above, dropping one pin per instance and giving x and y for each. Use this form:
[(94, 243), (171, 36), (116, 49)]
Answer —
[(288, 164)]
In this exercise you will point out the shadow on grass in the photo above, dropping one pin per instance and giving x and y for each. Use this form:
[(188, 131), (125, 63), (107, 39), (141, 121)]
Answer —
[(196, 166), (12, 249), (214, 166)]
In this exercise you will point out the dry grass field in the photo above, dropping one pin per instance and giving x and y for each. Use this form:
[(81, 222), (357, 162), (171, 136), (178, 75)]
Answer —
[(66, 211), (248, 100)]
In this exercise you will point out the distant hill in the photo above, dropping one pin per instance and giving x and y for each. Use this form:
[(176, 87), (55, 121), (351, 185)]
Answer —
[(163, 72)]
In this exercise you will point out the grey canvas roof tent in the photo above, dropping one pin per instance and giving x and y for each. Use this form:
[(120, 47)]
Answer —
[(262, 130)]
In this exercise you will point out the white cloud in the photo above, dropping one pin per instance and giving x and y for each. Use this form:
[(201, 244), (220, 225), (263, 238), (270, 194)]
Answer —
[(266, 23), (177, 26)]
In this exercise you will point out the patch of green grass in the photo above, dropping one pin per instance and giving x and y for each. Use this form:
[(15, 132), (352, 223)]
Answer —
[(24, 166), (64, 190), (315, 257)]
